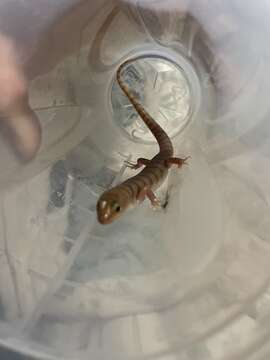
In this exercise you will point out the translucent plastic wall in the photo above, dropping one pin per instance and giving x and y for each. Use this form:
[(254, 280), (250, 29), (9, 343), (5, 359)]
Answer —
[(190, 282)]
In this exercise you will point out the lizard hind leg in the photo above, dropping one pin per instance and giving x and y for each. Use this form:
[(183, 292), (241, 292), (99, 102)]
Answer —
[(179, 162), (140, 162)]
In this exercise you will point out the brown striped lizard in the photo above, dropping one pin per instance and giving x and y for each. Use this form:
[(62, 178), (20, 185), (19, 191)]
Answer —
[(113, 202)]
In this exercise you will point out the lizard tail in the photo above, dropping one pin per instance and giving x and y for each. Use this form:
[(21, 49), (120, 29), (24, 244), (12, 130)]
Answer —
[(163, 140)]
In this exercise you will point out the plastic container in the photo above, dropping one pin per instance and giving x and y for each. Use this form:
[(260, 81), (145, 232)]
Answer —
[(187, 283)]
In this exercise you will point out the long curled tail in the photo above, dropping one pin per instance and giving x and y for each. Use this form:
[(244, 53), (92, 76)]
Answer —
[(163, 140)]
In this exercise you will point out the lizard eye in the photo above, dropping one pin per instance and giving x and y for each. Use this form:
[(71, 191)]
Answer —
[(116, 207)]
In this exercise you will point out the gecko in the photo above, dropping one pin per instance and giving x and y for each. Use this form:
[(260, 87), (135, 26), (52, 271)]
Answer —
[(115, 201)]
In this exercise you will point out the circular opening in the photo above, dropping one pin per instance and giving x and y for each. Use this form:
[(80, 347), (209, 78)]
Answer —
[(163, 89)]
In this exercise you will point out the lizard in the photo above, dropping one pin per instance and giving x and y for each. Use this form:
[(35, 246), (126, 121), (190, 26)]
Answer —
[(115, 201)]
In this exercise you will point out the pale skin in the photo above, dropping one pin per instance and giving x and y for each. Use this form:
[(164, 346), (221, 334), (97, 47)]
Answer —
[(17, 120)]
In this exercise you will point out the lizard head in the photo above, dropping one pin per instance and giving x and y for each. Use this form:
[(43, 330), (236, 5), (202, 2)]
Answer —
[(111, 205)]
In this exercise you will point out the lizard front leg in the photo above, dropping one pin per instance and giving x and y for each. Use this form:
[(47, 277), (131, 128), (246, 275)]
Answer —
[(146, 192)]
